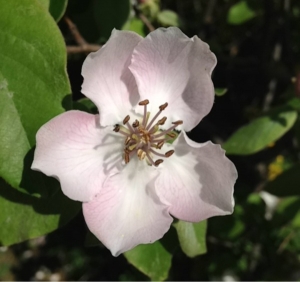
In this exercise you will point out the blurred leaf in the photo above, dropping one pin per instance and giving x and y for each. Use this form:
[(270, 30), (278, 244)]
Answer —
[(220, 91), (33, 86), (286, 184), (294, 103), (240, 13), (56, 8), (25, 217), (192, 237), (151, 259), (136, 25), (110, 14), (168, 18), (260, 132)]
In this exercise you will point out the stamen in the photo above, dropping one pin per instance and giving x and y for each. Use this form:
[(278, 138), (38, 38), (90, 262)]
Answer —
[(136, 123), (126, 119), (169, 153), (144, 103), (116, 128), (127, 140), (158, 162), (126, 157), (178, 122), (141, 154), (162, 107), (157, 154), (160, 144), (162, 121)]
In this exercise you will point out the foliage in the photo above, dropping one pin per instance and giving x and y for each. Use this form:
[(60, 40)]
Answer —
[(255, 118)]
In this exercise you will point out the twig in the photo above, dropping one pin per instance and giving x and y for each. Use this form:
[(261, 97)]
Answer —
[(84, 47), (143, 18)]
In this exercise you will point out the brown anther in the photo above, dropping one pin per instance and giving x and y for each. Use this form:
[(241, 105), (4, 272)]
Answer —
[(160, 144), (126, 119), (126, 157), (162, 107), (144, 103), (178, 122), (127, 140), (158, 162), (169, 153), (136, 123), (141, 154), (172, 134), (117, 128), (162, 121)]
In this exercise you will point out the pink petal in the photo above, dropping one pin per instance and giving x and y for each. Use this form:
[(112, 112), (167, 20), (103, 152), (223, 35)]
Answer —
[(127, 212), (74, 149), (197, 181), (170, 67), (107, 80)]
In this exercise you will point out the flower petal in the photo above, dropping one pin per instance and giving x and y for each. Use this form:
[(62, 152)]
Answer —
[(170, 67), (74, 149), (197, 181), (127, 212), (107, 80)]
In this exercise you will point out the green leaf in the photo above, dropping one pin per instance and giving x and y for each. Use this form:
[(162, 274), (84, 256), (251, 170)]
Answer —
[(85, 105), (220, 91), (168, 18), (25, 217), (151, 259), (260, 132), (192, 237), (136, 25), (110, 14), (56, 8), (240, 13), (33, 87), (286, 184)]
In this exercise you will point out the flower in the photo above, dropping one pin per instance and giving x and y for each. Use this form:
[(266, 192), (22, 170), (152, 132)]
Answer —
[(119, 163)]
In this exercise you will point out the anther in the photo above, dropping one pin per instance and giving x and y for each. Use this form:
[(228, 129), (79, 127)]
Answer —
[(162, 121), (126, 119), (127, 140), (162, 107), (126, 158), (158, 162), (144, 103), (141, 154), (172, 134), (117, 128), (178, 122), (160, 144), (136, 123), (169, 153)]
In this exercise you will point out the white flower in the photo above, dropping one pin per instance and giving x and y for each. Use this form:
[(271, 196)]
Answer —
[(119, 164)]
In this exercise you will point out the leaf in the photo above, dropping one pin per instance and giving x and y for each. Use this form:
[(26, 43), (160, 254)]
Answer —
[(25, 217), (110, 14), (240, 13), (220, 91), (151, 259), (85, 105), (136, 25), (260, 132), (56, 8), (33, 87), (192, 237), (286, 184), (168, 18)]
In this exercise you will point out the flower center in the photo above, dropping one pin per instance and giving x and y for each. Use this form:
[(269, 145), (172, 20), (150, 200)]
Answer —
[(143, 138)]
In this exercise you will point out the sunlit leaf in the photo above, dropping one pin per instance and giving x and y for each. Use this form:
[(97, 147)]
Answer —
[(260, 132), (33, 87), (24, 217), (286, 184), (220, 91), (151, 259), (240, 13), (168, 18), (192, 237), (136, 25)]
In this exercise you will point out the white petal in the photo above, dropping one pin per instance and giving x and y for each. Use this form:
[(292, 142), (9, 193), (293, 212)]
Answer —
[(74, 149), (127, 212), (107, 80), (197, 181), (170, 67)]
